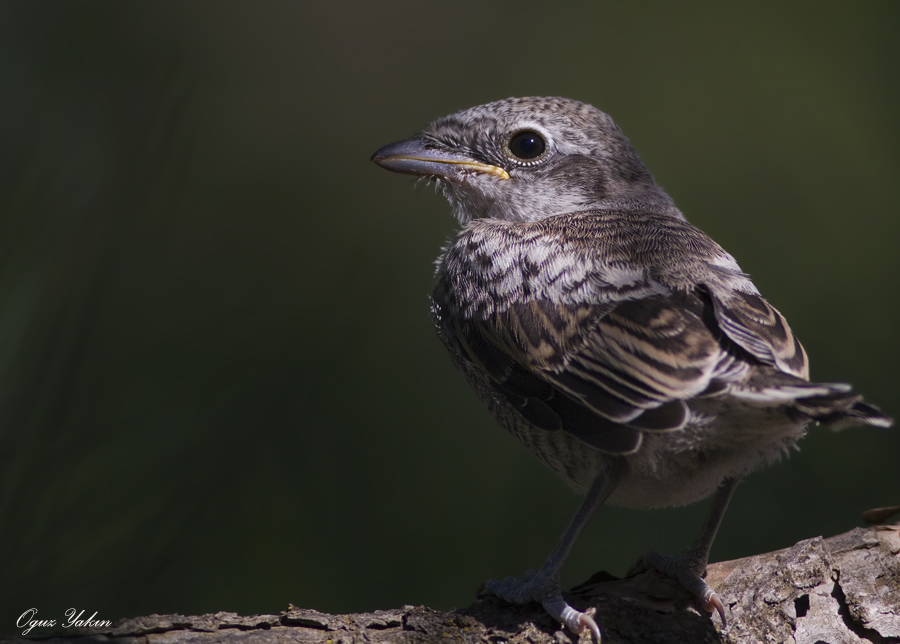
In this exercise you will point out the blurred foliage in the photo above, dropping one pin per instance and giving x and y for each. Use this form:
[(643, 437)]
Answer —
[(219, 385)]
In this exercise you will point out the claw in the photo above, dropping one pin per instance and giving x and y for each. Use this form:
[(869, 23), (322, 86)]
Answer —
[(712, 602), (541, 588), (691, 578), (578, 622)]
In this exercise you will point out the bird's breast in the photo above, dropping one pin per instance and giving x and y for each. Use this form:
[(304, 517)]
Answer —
[(492, 265)]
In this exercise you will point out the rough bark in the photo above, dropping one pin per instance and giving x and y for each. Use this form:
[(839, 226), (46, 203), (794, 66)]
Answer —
[(841, 590)]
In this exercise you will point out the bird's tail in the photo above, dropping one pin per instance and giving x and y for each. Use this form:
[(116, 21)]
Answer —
[(832, 404), (840, 409)]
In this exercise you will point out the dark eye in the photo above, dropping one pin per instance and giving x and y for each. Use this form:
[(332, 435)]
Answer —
[(527, 145)]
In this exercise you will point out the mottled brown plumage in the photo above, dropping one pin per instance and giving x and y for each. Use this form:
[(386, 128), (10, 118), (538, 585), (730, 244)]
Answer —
[(619, 343)]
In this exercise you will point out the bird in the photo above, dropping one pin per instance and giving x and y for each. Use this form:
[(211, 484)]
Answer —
[(616, 341)]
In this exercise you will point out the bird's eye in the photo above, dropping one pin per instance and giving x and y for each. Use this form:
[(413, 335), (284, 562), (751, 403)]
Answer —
[(527, 145)]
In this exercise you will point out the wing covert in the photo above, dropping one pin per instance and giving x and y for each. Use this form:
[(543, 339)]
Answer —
[(600, 372), (756, 326)]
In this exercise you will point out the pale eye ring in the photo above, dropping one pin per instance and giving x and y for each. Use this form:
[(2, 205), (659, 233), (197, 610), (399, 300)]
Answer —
[(526, 146)]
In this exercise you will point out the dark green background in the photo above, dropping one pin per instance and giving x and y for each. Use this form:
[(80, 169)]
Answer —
[(219, 384)]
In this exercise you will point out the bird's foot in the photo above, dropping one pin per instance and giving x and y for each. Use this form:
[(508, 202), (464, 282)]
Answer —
[(545, 590), (689, 571)]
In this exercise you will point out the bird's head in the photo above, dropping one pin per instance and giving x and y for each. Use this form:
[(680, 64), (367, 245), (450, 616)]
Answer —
[(524, 159)]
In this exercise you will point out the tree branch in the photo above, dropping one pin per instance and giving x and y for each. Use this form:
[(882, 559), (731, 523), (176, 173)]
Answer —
[(845, 589)]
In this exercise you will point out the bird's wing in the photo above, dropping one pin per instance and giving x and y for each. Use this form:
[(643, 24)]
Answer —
[(755, 326), (602, 372)]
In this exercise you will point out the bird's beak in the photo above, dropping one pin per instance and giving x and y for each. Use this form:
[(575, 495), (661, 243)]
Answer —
[(425, 158)]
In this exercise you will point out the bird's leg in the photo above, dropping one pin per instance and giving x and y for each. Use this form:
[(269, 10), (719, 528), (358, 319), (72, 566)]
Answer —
[(689, 567), (543, 586)]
